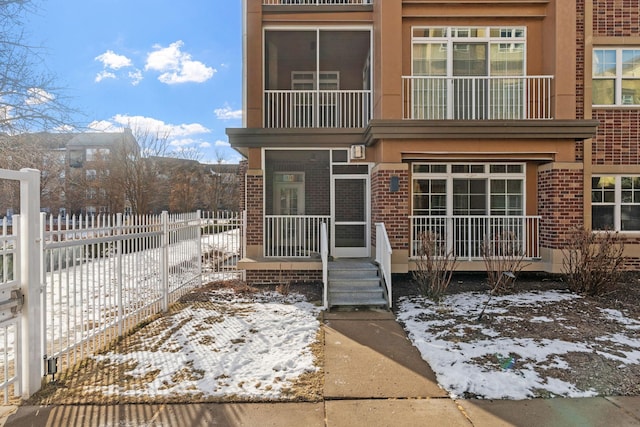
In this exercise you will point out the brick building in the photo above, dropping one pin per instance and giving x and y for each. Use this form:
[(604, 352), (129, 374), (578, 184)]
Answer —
[(474, 121)]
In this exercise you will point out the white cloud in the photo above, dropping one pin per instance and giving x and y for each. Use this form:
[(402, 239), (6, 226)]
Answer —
[(205, 145), (38, 96), (150, 125), (113, 61), (136, 77), (226, 113), (104, 75), (220, 143), (183, 142), (176, 66)]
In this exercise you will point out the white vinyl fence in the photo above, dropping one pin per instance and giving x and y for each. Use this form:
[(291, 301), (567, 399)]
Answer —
[(69, 286)]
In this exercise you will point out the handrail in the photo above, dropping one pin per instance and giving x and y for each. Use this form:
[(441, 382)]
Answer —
[(383, 258), (324, 254)]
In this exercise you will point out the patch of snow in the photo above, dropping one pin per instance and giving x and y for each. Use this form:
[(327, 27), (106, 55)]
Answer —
[(495, 367)]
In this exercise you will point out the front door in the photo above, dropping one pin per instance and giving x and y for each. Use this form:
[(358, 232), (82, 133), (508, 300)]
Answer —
[(351, 224)]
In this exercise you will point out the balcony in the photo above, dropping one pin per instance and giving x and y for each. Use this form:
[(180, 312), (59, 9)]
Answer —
[(317, 109), (477, 98), (315, 2), (468, 237)]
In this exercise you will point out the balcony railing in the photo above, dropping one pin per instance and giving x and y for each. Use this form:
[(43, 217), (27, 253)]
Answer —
[(317, 108), (293, 236), (477, 98), (314, 2), (469, 237)]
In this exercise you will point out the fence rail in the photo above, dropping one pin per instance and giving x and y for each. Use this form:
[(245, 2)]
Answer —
[(477, 98), (467, 236), (317, 108)]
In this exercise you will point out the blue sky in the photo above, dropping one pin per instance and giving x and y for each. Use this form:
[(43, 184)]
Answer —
[(160, 65)]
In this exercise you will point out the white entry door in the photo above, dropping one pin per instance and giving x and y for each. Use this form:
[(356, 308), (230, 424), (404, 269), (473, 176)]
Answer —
[(351, 223)]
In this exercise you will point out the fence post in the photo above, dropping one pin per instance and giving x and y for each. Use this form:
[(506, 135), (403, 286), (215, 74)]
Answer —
[(199, 243), (30, 265), (164, 260), (119, 267)]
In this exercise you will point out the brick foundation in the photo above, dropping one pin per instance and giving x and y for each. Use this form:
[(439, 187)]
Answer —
[(272, 277)]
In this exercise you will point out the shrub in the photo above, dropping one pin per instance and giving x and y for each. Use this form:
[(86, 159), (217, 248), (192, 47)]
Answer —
[(434, 267), (503, 259), (593, 262)]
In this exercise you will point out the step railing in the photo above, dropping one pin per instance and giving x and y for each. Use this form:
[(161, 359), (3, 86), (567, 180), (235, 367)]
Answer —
[(324, 254), (383, 258)]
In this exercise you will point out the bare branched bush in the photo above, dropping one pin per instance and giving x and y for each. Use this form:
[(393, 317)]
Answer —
[(593, 262), (503, 258), (434, 267)]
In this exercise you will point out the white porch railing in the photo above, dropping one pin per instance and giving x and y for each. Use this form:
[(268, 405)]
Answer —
[(314, 2), (317, 109), (477, 98), (466, 235), (292, 236), (383, 258)]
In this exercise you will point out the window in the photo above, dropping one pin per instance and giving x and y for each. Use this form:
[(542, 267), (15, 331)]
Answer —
[(615, 203), (475, 189), (616, 76), (94, 154), (452, 62)]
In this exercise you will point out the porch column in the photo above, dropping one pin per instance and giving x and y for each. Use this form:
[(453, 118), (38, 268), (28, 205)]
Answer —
[(390, 202), (560, 204), (254, 196)]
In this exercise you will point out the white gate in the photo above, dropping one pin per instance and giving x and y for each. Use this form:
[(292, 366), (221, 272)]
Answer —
[(20, 291)]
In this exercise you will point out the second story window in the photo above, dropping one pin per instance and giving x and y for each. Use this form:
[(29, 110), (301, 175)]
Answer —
[(469, 51), (616, 76), (473, 73)]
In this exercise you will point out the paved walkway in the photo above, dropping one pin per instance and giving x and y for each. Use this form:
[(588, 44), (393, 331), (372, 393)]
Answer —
[(373, 377)]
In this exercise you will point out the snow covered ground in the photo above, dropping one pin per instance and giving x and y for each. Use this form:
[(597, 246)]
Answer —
[(229, 347), (472, 359)]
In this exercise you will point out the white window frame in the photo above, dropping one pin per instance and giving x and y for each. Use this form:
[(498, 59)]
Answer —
[(617, 78), (512, 36), (449, 176), (617, 204)]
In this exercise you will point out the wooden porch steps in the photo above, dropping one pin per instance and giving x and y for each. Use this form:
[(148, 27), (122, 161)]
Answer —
[(355, 282)]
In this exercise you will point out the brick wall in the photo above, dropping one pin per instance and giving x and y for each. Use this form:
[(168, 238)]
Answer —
[(254, 191), (616, 18), (560, 203), (580, 59), (271, 277), (242, 173), (391, 208), (617, 140)]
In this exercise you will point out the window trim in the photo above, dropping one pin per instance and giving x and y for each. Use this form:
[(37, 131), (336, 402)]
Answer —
[(618, 78), (486, 174), (617, 204), (451, 38)]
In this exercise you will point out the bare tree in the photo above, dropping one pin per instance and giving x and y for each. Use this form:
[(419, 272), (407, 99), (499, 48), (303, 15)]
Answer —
[(29, 99)]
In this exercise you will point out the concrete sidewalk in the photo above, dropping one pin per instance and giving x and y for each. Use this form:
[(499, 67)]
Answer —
[(373, 377)]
